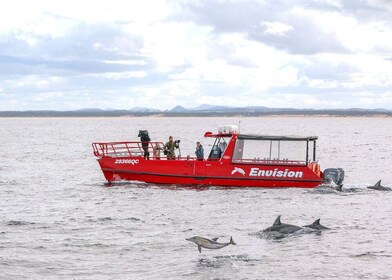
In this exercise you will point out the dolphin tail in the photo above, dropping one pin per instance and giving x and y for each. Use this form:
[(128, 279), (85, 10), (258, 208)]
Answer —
[(199, 247), (232, 241)]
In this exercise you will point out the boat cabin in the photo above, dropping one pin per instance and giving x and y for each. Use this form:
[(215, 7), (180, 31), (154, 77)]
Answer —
[(262, 149), (274, 149)]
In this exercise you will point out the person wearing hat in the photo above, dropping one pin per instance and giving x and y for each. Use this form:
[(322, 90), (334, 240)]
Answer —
[(170, 147)]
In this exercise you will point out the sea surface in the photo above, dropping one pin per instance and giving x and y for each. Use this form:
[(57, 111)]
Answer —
[(59, 219)]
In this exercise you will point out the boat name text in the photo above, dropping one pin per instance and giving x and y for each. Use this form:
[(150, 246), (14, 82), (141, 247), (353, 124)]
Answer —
[(275, 173)]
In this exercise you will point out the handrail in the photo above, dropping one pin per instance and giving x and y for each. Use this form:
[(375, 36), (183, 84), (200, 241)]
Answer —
[(269, 161), (124, 149), (132, 149)]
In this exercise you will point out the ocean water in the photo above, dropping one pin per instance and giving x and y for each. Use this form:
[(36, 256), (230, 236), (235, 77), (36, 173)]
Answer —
[(60, 220)]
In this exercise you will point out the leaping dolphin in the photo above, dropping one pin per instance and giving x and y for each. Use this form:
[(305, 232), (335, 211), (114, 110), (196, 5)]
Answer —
[(316, 225), (378, 187), (279, 227), (205, 243)]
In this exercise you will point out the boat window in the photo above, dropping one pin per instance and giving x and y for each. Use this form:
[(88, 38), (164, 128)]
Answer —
[(270, 151), (312, 151)]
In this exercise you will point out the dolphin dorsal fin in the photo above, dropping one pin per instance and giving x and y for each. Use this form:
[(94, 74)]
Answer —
[(277, 221), (316, 222), (215, 239), (378, 184)]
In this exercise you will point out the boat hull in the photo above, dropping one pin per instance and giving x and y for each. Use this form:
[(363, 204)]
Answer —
[(209, 173)]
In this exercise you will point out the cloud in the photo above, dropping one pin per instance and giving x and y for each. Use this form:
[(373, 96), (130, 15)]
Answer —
[(262, 21), (86, 48), (276, 28), (122, 54)]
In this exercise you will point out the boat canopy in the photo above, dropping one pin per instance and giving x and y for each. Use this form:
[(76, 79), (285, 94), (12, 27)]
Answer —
[(268, 149), (210, 134), (276, 138)]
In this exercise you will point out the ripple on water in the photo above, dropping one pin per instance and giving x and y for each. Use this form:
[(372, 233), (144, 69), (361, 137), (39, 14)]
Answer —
[(19, 223), (219, 261)]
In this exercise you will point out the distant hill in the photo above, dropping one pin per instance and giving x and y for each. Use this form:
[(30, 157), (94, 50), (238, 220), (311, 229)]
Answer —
[(89, 110), (208, 107), (178, 109), (202, 110), (144, 109)]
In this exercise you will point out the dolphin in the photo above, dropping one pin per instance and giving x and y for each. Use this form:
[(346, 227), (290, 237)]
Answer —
[(205, 243), (378, 187), (279, 227), (316, 225)]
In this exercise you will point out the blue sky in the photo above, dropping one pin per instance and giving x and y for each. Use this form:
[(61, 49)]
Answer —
[(66, 55)]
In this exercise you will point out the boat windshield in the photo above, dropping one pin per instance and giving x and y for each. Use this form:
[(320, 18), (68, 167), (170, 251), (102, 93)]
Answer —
[(274, 151), (219, 147)]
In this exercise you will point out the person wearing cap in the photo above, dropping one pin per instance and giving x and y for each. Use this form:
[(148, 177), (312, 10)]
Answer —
[(170, 147)]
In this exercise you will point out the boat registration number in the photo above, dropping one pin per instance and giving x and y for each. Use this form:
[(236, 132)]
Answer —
[(126, 161)]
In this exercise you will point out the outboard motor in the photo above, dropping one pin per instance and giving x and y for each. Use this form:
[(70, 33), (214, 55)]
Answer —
[(334, 175)]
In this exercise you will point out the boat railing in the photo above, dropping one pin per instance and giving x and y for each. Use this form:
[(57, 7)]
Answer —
[(127, 149), (270, 161), (134, 149)]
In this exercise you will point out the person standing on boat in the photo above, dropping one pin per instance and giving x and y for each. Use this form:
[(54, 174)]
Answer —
[(145, 139), (222, 146), (170, 147), (199, 151), (157, 151)]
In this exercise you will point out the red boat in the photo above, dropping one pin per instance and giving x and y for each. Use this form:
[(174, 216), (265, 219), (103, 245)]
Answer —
[(239, 160)]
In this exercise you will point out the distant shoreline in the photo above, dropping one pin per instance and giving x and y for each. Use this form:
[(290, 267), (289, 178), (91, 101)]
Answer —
[(105, 114)]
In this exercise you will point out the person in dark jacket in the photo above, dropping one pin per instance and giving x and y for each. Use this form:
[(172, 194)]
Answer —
[(145, 139), (199, 151)]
